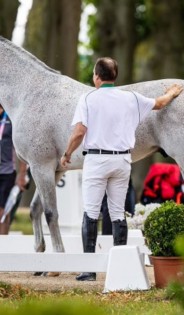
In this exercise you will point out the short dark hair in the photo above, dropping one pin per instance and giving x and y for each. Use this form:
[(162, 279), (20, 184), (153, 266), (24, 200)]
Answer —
[(106, 68)]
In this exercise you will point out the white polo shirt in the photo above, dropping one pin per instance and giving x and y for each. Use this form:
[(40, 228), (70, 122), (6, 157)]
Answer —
[(111, 117)]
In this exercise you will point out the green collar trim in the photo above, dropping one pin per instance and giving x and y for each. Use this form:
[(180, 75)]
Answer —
[(107, 85)]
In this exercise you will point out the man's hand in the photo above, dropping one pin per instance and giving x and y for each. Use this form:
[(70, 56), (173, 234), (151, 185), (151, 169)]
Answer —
[(174, 89), (65, 160), (171, 92)]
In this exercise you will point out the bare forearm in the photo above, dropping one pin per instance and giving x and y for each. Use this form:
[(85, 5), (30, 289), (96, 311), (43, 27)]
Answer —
[(21, 175), (22, 167), (163, 100), (172, 92), (73, 144)]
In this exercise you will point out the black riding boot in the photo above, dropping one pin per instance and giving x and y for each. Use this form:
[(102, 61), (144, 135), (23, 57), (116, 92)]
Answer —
[(89, 236), (119, 232)]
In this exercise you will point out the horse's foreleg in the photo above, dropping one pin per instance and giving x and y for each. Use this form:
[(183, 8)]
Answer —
[(36, 211), (44, 178)]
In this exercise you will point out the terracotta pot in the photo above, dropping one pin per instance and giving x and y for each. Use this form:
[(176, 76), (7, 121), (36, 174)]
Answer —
[(167, 269)]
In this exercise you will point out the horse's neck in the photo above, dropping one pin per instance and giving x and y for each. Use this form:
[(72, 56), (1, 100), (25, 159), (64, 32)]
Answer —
[(24, 79), (19, 74)]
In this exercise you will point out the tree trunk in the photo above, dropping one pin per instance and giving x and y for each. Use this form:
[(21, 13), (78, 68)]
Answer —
[(165, 45), (68, 36), (52, 33), (116, 34), (8, 13)]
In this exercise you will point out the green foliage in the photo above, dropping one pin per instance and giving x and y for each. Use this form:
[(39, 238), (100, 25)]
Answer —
[(179, 245), (92, 32), (86, 65), (22, 222), (142, 20), (54, 307), (176, 291), (162, 227), (142, 23)]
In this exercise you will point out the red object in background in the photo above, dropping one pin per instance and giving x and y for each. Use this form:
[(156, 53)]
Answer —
[(163, 180)]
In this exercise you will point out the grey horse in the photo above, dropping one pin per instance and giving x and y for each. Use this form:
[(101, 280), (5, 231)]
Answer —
[(41, 102)]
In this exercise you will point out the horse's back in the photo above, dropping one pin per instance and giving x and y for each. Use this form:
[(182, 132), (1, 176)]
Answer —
[(43, 120), (162, 128)]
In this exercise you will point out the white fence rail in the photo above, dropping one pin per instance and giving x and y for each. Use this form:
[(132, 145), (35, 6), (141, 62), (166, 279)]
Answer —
[(72, 243), (124, 265)]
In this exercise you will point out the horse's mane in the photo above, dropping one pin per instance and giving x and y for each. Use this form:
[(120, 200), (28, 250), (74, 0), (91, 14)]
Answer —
[(24, 52)]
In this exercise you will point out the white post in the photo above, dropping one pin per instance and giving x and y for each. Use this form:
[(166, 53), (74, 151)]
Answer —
[(69, 203)]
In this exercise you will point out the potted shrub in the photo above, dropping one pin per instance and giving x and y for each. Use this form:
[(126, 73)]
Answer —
[(161, 228)]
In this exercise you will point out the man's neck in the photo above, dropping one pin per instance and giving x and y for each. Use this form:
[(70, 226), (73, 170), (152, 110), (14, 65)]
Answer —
[(107, 84)]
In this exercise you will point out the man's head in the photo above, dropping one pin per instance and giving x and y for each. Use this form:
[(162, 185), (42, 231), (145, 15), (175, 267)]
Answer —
[(105, 70)]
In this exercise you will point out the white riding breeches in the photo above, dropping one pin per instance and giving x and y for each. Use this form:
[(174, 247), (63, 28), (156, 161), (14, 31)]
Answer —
[(110, 173)]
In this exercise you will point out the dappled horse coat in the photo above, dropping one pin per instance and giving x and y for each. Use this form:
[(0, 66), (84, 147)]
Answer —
[(41, 102)]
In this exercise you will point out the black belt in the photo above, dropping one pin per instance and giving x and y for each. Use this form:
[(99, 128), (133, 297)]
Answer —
[(96, 151)]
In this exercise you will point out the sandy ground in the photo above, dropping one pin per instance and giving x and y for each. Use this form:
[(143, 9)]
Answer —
[(65, 281)]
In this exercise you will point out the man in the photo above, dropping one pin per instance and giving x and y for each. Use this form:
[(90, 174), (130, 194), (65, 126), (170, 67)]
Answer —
[(106, 119), (8, 176), (128, 207)]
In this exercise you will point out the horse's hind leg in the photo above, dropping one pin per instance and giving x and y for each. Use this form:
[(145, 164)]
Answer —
[(44, 177), (36, 211)]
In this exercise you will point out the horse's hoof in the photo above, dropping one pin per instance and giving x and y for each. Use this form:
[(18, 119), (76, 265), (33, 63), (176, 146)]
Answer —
[(38, 273), (86, 276), (51, 274)]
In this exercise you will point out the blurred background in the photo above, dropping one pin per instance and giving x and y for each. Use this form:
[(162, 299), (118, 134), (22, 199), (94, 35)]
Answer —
[(144, 36)]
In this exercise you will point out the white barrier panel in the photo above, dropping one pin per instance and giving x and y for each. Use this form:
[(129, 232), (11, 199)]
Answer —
[(125, 270), (54, 262), (133, 277)]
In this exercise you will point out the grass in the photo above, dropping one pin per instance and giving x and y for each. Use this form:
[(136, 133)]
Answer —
[(18, 301), (22, 222), (15, 300)]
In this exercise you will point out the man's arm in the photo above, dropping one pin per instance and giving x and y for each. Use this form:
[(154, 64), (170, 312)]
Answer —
[(21, 175), (172, 92), (73, 143)]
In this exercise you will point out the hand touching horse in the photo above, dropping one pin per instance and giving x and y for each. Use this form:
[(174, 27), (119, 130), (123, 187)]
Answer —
[(41, 102)]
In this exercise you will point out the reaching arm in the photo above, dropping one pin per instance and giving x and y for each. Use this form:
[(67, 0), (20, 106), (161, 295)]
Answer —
[(73, 143), (21, 175), (172, 92)]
